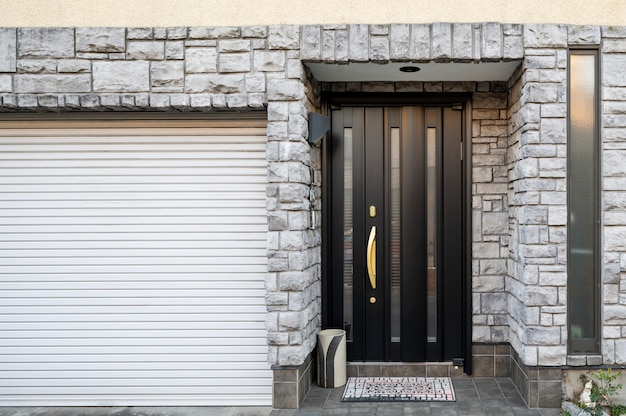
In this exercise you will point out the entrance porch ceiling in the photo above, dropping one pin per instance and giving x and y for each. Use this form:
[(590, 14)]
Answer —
[(431, 71)]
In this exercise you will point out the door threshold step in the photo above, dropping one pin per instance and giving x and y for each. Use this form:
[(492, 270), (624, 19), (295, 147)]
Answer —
[(394, 369)]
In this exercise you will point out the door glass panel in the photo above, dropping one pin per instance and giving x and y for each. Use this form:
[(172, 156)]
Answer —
[(431, 233), (395, 233), (348, 224)]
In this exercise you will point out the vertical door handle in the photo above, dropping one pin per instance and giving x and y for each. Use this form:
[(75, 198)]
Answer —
[(371, 257)]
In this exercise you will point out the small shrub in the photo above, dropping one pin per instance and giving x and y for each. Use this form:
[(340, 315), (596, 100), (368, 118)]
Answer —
[(603, 387)]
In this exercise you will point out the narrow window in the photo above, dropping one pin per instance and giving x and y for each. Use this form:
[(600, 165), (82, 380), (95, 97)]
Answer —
[(583, 204)]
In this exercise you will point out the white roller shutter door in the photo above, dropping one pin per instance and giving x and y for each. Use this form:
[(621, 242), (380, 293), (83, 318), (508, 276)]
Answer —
[(132, 263)]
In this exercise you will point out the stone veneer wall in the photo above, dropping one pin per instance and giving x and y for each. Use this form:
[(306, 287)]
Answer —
[(519, 179)]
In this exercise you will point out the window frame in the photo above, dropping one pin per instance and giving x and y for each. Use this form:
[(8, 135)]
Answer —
[(585, 346)]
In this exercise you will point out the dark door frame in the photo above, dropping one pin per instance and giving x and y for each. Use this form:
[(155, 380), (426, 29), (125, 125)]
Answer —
[(336, 100)]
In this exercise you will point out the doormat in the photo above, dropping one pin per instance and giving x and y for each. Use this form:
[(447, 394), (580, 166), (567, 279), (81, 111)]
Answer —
[(400, 389)]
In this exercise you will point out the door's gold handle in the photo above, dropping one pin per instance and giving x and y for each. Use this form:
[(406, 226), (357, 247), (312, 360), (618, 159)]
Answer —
[(371, 257)]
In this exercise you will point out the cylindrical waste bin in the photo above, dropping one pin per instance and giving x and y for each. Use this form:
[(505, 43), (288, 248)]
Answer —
[(331, 358)]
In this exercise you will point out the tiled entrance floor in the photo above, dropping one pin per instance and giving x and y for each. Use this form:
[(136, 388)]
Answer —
[(474, 396)]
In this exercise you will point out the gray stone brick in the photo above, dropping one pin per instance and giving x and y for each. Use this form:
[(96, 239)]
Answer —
[(176, 32), (149, 50), (613, 74), (236, 101), (311, 43), (6, 83), (400, 40), (269, 61), (420, 43), (167, 75), (139, 33), (379, 49), (462, 36), (36, 66), (328, 46), (8, 49), (214, 32), (283, 37), (255, 82), (491, 42), (583, 35), (234, 45), (442, 42), (175, 50), (200, 60), (120, 76), (342, 46), (512, 48), (379, 30), (544, 36), (52, 83), (614, 31), (284, 90), (254, 31), (234, 62), (45, 43), (100, 39), (358, 50), (74, 65)]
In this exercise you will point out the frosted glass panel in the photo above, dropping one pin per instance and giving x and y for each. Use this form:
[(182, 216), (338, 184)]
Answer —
[(582, 202), (395, 234), (431, 232), (348, 224)]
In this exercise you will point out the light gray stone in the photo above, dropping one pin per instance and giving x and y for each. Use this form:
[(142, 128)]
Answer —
[(399, 39), (614, 31), (553, 130), (45, 43), (214, 32), (100, 39), (442, 42), (174, 50), (149, 50), (234, 62), (167, 74), (8, 49), (284, 90), (120, 76), (545, 35), (583, 35), (491, 42), (462, 36), (311, 43), (200, 60), (342, 46), (254, 31), (512, 48), (328, 46), (6, 83), (143, 33), (73, 65), (234, 45), (283, 37), (495, 223), (359, 43), (379, 49), (52, 83), (37, 66), (613, 70), (176, 32), (269, 61)]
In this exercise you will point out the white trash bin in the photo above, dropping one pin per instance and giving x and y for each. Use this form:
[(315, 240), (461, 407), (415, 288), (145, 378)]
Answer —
[(331, 358)]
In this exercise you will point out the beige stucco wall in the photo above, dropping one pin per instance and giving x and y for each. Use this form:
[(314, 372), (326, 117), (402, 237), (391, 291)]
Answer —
[(137, 13)]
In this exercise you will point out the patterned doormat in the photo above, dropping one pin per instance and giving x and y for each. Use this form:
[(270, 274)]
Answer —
[(390, 389)]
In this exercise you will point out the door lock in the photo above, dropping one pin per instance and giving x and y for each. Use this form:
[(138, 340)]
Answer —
[(372, 211), (372, 299)]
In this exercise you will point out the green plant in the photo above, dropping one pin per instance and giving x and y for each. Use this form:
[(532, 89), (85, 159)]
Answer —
[(603, 387)]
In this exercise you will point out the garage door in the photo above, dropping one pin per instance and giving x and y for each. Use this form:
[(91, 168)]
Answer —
[(132, 263)]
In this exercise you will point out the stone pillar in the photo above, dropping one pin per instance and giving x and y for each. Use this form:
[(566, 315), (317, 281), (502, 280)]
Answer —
[(294, 240)]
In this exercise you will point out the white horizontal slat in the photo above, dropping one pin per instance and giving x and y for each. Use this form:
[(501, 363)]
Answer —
[(132, 264)]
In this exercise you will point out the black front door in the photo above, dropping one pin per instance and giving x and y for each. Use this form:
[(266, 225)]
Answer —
[(396, 246)]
